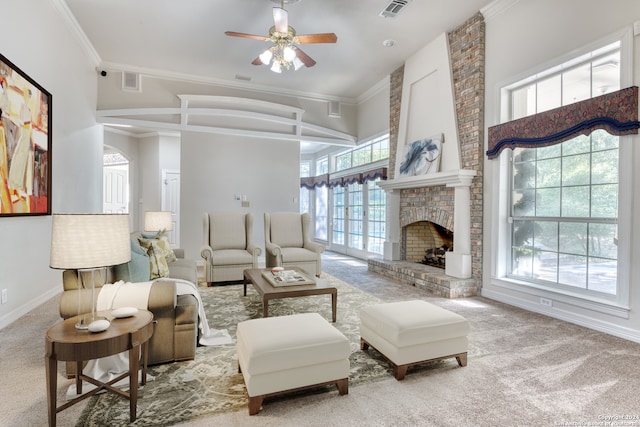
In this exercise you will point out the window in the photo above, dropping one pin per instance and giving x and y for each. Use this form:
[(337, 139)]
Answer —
[(564, 198), (377, 218), (305, 198), (322, 167)]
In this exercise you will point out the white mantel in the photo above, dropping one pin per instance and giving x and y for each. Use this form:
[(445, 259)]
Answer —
[(458, 262)]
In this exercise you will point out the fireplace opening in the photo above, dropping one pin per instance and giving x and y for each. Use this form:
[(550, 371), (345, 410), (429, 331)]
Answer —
[(427, 243), (436, 257)]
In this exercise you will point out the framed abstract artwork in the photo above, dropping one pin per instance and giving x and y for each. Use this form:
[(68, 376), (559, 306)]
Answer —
[(422, 157), (25, 144)]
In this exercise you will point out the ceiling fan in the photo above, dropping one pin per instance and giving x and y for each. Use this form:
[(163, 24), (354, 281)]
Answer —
[(284, 53)]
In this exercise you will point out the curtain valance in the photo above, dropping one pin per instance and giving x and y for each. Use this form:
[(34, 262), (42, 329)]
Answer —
[(311, 182), (615, 112), (324, 180)]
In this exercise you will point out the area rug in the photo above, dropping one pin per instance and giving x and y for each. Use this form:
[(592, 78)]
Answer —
[(211, 384)]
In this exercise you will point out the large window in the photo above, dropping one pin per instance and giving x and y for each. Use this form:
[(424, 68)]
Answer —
[(564, 198), (322, 167), (305, 197)]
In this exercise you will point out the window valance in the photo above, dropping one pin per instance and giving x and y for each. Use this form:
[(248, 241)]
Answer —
[(615, 112), (326, 181)]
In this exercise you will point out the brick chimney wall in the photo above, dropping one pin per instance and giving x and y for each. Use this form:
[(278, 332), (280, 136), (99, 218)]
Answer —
[(467, 52)]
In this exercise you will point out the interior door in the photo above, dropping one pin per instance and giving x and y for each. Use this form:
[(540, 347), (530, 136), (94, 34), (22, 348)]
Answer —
[(171, 202), (115, 181)]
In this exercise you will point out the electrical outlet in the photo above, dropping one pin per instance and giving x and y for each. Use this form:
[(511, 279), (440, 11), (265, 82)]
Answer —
[(547, 302), (5, 296)]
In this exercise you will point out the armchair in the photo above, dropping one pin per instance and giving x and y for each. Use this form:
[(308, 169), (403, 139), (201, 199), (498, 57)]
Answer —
[(226, 247), (287, 243)]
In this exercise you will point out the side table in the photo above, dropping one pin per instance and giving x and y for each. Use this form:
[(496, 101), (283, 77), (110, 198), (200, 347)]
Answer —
[(65, 342)]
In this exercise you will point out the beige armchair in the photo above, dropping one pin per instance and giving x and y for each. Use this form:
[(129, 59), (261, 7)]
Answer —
[(287, 242), (227, 248)]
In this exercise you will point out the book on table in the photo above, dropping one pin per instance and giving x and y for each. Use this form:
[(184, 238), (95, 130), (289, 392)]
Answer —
[(288, 278)]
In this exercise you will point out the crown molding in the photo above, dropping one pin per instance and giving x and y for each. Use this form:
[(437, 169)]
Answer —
[(78, 32), (496, 7), (383, 84)]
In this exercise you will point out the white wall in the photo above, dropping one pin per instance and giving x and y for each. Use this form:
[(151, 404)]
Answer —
[(373, 114), (214, 168), (36, 39), (427, 107), (523, 38)]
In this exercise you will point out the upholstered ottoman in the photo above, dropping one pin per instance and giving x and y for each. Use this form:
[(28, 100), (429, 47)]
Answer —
[(286, 353), (411, 332)]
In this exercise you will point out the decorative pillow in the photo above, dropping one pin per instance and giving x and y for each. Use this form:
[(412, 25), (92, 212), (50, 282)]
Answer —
[(136, 270), (157, 262), (165, 246)]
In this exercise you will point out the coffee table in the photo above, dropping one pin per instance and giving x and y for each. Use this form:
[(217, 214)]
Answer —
[(65, 342), (268, 292)]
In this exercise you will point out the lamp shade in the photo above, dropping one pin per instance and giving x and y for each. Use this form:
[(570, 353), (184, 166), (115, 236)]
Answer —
[(89, 240), (156, 221)]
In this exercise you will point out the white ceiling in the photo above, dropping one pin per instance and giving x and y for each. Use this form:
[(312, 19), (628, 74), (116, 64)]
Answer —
[(186, 37)]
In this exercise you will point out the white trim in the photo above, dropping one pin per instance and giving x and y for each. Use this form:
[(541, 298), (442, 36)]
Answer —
[(567, 316), (496, 8), (382, 85), (78, 32), (224, 106), (30, 305)]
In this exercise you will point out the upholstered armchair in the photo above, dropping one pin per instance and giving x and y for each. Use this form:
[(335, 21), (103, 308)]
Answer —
[(287, 242), (227, 248)]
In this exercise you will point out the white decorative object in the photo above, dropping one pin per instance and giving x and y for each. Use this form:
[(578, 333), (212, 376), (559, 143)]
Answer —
[(121, 312), (99, 325)]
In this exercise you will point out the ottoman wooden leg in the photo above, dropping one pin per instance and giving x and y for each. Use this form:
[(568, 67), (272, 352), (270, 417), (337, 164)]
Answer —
[(462, 359), (255, 403), (343, 386), (364, 346), (400, 371)]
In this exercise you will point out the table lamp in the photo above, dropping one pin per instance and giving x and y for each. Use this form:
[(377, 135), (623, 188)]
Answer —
[(89, 242), (157, 221)]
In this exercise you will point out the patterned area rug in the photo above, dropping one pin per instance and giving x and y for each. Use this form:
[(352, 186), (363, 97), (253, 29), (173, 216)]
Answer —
[(211, 384)]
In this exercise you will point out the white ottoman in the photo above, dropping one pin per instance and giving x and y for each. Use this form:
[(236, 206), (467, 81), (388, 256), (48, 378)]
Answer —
[(287, 353), (411, 332)]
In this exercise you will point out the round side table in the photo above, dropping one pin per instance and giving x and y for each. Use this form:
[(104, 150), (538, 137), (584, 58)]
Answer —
[(66, 343)]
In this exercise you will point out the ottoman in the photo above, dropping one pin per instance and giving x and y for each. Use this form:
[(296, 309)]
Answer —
[(287, 353), (411, 332)]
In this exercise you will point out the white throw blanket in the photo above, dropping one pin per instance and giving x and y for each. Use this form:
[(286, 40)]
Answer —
[(121, 294)]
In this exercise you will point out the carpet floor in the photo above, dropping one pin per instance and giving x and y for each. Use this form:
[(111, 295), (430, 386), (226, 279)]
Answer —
[(524, 369)]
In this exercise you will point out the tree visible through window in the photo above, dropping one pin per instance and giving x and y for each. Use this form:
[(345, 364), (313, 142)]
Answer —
[(564, 198)]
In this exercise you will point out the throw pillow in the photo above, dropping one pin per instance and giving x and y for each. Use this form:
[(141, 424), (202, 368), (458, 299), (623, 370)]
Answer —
[(165, 246), (157, 262)]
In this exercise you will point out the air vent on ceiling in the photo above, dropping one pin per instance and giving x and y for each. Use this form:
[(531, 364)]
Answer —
[(394, 8), (131, 81)]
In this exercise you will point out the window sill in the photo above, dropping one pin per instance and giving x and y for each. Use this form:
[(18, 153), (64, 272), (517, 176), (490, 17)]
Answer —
[(591, 303)]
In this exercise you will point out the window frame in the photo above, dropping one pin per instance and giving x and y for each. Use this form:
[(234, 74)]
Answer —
[(501, 252)]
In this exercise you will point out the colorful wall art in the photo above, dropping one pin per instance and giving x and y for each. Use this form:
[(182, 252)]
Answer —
[(422, 156), (25, 144)]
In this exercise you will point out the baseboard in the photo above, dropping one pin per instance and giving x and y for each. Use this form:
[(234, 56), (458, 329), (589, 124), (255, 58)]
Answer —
[(567, 316), (14, 315)]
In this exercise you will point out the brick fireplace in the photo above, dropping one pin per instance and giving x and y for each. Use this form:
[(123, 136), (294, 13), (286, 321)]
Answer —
[(452, 197)]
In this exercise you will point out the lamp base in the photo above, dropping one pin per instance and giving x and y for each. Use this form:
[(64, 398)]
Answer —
[(84, 320)]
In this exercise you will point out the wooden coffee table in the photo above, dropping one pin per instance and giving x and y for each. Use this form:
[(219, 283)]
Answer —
[(269, 292), (65, 342)]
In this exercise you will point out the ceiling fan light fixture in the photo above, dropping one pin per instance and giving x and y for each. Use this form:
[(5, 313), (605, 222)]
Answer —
[(297, 63), (275, 67), (288, 53), (265, 57)]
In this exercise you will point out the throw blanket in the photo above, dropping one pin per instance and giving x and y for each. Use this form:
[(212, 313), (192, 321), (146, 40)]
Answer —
[(121, 294), (208, 336)]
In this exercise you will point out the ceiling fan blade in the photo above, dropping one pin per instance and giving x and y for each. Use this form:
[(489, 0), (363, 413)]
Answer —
[(316, 38), (281, 20), (257, 61), (246, 36), (306, 59)]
